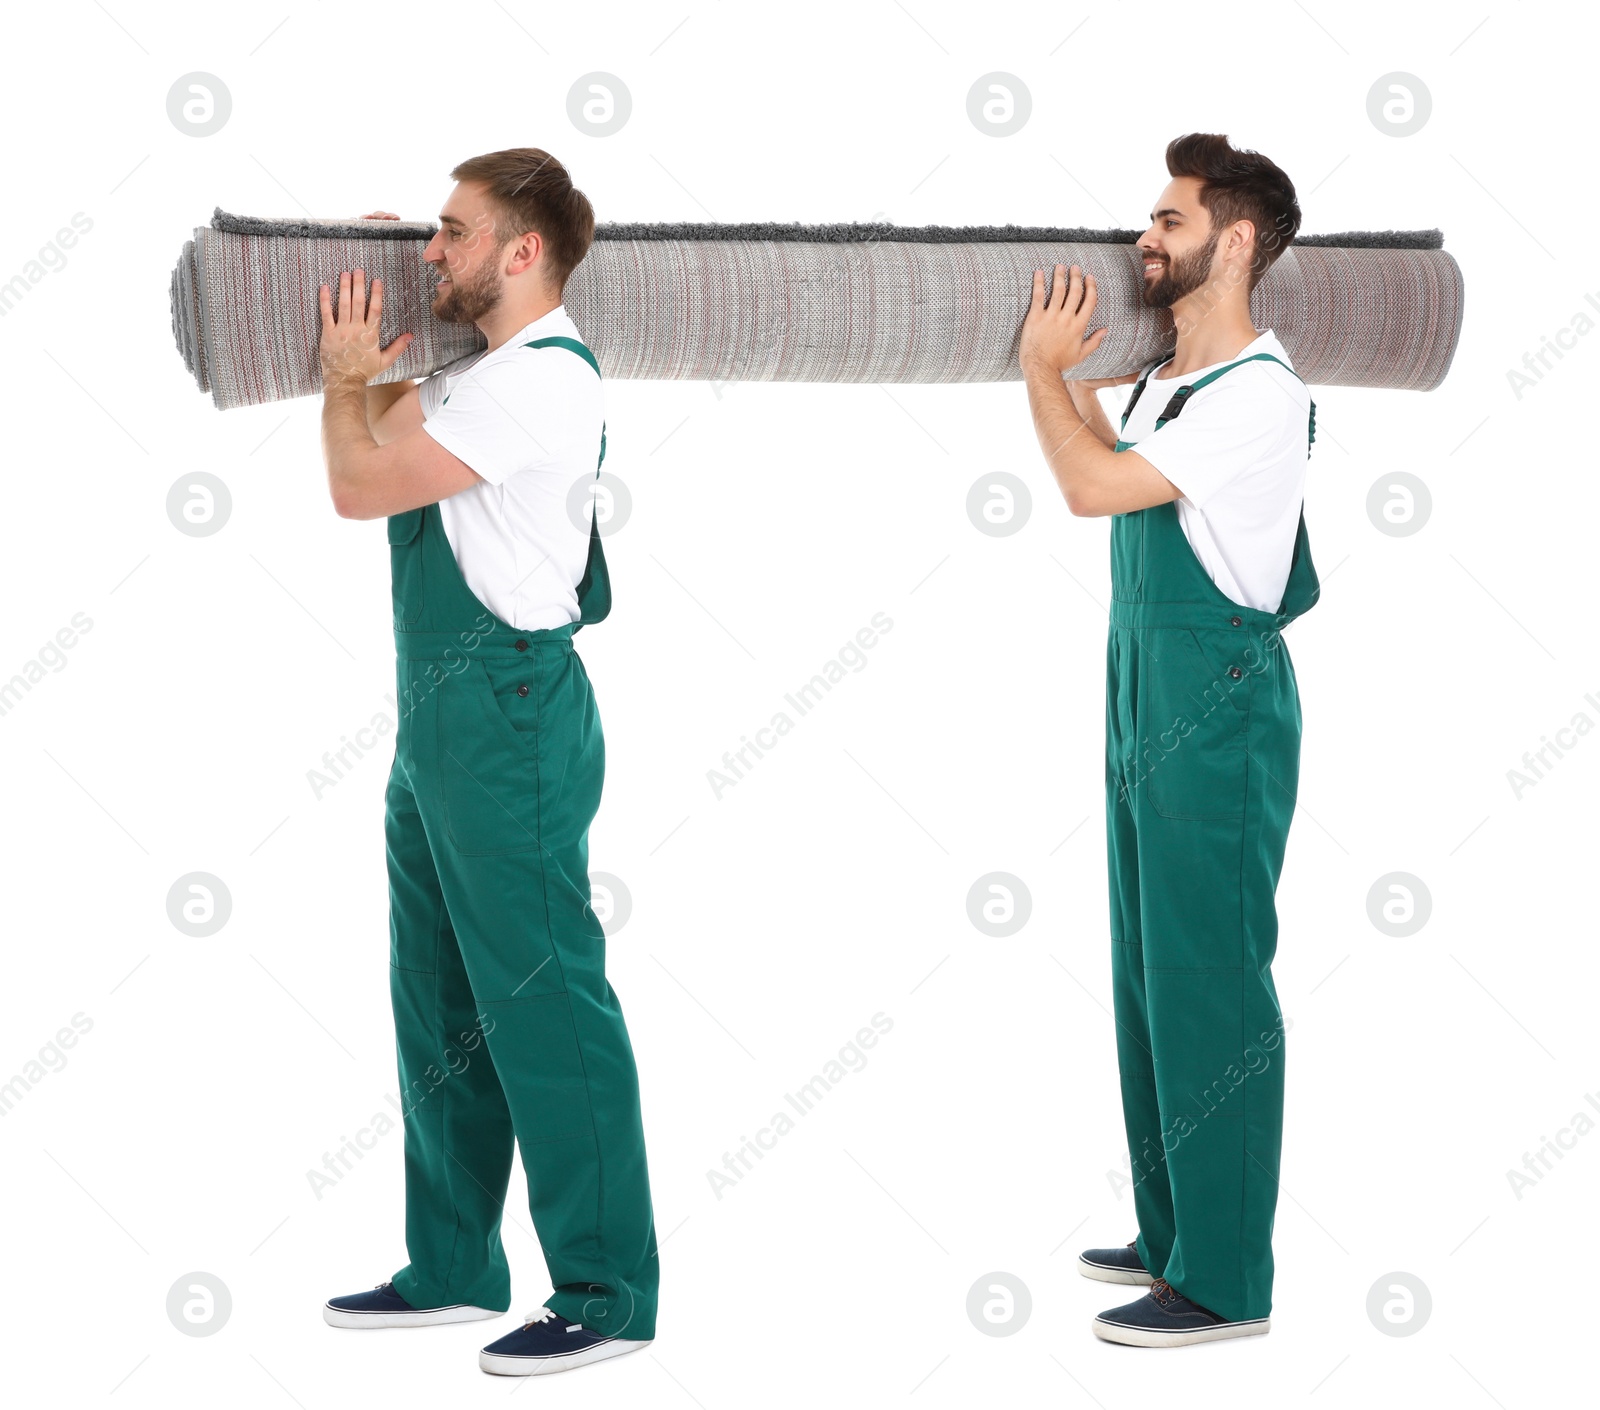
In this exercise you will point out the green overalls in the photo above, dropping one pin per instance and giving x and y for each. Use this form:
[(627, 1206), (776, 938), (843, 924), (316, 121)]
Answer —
[(505, 1023), (1202, 764)]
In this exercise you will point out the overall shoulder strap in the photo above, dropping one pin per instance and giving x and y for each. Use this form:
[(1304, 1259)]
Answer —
[(562, 342), (573, 345), (1180, 398), (570, 343)]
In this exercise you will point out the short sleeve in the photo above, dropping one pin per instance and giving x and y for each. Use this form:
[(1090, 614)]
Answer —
[(431, 392), (487, 421), (1230, 427)]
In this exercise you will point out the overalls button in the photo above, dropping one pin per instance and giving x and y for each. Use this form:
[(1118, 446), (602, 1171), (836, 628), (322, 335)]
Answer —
[(522, 690), (520, 644), (1235, 672), (1235, 621)]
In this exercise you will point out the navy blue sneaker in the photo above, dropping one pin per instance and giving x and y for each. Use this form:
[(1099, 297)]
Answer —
[(1114, 1265), (1165, 1317), (547, 1343), (384, 1307)]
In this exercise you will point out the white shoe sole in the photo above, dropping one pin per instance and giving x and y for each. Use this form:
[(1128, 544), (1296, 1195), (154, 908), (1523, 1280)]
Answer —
[(1101, 1273), (497, 1365), (1139, 1336), (430, 1317)]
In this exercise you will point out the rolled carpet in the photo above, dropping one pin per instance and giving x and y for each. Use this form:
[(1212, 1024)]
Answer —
[(803, 303)]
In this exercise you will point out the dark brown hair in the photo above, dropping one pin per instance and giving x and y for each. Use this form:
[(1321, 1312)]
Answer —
[(1238, 184), (528, 189)]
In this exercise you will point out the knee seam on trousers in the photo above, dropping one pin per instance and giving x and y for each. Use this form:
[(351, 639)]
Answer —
[(526, 998), (1193, 969)]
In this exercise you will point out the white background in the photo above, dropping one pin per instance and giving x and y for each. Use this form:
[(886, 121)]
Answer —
[(770, 523)]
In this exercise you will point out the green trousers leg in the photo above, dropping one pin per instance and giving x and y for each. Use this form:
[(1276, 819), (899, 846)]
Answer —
[(497, 775), (1195, 845), (459, 1138)]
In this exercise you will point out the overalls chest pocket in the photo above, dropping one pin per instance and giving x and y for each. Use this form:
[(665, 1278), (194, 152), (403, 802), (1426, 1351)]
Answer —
[(405, 566)]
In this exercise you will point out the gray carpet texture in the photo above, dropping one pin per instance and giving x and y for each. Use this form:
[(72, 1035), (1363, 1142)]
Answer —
[(843, 302)]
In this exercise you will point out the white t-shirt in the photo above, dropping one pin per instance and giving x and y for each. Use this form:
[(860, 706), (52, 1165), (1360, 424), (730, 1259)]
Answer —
[(1238, 453), (528, 420)]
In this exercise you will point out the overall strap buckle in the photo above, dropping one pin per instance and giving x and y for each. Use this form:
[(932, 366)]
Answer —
[(1174, 406), (1138, 389)]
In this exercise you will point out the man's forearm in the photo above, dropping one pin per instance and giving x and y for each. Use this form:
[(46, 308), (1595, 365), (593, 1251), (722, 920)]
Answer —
[(1075, 454), (1086, 401), (380, 398), (346, 439)]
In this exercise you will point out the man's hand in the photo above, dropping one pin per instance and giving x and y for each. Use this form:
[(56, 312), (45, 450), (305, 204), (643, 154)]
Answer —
[(1053, 332), (349, 349)]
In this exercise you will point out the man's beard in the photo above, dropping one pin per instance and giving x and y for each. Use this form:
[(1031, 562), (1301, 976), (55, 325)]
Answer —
[(1182, 276), (471, 301)]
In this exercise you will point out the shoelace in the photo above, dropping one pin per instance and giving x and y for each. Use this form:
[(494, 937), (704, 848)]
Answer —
[(544, 1314), (1163, 1291)]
